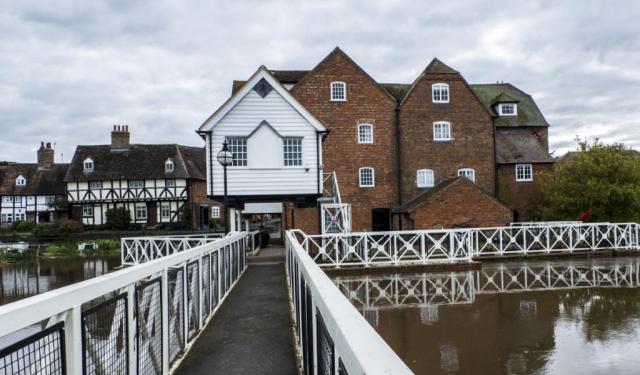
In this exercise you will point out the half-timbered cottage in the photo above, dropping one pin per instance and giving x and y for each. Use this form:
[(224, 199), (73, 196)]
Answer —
[(154, 182), (32, 191)]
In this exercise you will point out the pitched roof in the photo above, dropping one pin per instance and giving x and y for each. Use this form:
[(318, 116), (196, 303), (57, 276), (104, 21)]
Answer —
[(528, 112), (438, 67), (520, 145), (139, 161), (40, 181), (397, 90)]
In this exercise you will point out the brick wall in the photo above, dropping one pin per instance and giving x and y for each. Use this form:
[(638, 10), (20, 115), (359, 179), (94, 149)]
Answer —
[(197, 197), (366, 103), (472, 132), (461, 205), (307, 219), (522, 197)]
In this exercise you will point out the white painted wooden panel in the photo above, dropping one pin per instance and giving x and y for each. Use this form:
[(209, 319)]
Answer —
[(262, 208)]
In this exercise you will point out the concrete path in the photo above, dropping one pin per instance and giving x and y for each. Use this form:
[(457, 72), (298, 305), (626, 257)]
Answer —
[(251, 332)]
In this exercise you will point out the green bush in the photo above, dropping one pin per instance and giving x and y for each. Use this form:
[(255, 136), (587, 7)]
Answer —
[(61, 249), (45, 230), (186, 214), (66, 226), (213, 223), (118, 218), (108, 245), (25, 226)]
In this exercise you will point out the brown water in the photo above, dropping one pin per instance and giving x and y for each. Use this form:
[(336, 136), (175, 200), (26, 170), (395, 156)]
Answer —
[(560, 317)]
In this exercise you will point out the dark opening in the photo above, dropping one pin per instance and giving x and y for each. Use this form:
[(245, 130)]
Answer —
[(204, 217), (380, 220)]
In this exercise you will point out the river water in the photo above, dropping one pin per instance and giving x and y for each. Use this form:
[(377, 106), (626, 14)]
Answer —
[(542, 317)]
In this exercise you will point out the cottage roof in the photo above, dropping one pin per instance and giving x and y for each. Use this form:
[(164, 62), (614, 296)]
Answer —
[(40, 181), (528, 112), (520, 146), (139, 161)]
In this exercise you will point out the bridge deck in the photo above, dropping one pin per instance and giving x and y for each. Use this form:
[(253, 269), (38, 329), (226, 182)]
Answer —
[(251, 332)]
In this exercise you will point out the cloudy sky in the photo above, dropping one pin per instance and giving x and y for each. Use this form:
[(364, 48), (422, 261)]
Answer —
[(69, 70)]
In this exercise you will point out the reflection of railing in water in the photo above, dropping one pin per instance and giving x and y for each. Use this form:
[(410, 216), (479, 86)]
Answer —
[(374, 293)]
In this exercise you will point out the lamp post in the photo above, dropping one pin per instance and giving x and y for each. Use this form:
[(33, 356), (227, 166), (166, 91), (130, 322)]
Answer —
[(225, 158)]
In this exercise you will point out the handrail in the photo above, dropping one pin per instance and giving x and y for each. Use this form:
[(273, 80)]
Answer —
[(135, 250), (329, 327)]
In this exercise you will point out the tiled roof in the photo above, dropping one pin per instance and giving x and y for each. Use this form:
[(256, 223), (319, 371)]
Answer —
[(520, 145), (528, 112), (40, 181), (425, 196), (139, 161)]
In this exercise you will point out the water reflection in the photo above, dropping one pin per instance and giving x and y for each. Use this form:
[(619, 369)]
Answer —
[(560, 317)]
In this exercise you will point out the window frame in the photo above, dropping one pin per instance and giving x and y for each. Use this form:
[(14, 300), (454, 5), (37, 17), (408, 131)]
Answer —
[(462, 171), (21, 181), (363, 126), (342, 84), (237, 162), (427, 172), (93, 187), (437, 124), (169, 182), (215, 209), (522, 177), (501, 109), (141, 207), (168, 163), (439, 86), (163, 206), (135, 187), (360, 177), (89, 161), (87, 210), (287, 159)]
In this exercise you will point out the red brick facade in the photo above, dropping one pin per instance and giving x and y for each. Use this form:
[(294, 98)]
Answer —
[(523, 197), (198, 198)]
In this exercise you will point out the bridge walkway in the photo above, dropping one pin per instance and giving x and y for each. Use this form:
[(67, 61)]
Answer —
[(251, 332)]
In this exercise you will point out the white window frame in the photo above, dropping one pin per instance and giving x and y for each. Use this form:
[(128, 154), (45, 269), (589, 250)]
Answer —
[(425, 178), (361, 177), (440, 93), (87, 165), (165, 207), (170, 182), (169, 166), (87, 210), (7, 199), (469, 173), (215, 212), (501, 109), (130, 185), (521, 172), (97, 185), (239, 151), (142, 208), (438, 135), (332, 93), (363, 136), (292, 149), (21, 181)]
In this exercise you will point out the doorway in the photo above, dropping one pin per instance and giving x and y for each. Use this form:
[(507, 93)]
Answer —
[(380, 220), (204, 217)]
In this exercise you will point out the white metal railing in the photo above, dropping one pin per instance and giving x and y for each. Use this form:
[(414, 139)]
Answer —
[(333, 338), (141, 319), (538, 223), (330, 187), (449, 245)]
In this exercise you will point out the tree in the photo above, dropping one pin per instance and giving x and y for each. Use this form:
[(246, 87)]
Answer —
[(118, 218), (601, 178), (185, 215)]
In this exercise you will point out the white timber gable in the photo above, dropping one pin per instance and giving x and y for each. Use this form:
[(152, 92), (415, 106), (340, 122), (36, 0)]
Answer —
[(276, 142)]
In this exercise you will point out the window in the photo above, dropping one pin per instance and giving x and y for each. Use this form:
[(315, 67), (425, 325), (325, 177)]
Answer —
[(141, 212), (3, 218), (169, 166), (508, 109), (49, 199), (87, 211), (136, 184), (365, 133), (87, 165), (524, 172), (469, 173), (338, 91), (441, 131), (21, 181), (424, 178), (165, 211), (7, 199), (292, 151), (367, 178), (215, 212), (440, 93), (95, 185), (9, 218), (170, 182), (238, 148)]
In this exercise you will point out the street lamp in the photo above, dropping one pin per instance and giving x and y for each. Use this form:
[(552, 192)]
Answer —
[(225, 158)]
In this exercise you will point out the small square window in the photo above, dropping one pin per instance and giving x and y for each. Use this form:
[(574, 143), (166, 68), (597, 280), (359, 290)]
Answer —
[(95, 185), (170, 182), (524, 172), (424, 178), (441, 131), (87, 211), (469, 173), (440, 93), (338, 91), (508, 109), (215, 212), (87, 165), (367, 178), (365, 133), (238, 148), (292, 151), (169, 166), (141, 212), (136, 184)]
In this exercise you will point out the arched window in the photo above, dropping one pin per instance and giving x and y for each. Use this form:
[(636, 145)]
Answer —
[(367, 177), (469, 173), (365, 133), (87, 165), (424, 178), (21, 181), (169, 166), (338, 91), (441, 131), (440, 93)]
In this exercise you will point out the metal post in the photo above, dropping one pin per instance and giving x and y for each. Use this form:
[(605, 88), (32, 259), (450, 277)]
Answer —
[(73, 340), (131, 300), (226, 202), (200, 295), (164, 297)]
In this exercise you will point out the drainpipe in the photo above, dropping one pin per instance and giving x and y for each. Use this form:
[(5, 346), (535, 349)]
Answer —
[(398, 155)]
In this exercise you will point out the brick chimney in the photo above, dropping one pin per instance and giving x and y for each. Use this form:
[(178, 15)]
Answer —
[(120, 137), (45, 155)]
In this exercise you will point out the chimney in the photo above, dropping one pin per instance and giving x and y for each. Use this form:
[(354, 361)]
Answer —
[(45, 156), (120, 137)]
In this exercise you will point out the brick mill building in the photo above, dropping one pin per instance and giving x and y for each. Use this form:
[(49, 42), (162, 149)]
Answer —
[(388, 146)]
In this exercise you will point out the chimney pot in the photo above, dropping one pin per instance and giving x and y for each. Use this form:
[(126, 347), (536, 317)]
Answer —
[(120, 137), (45, 155)]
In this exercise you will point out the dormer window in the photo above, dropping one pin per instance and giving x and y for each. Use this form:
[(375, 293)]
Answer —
[(338, 91), (440, 93), (169, 166), (21, 181), (508, 109), (87, 165)]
